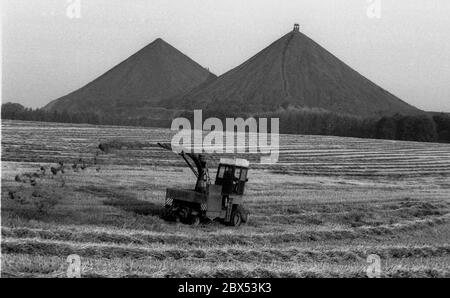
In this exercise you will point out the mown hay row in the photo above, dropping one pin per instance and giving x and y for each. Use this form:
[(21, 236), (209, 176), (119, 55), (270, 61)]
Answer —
[(245, 254), (226, 239), (24, 265)]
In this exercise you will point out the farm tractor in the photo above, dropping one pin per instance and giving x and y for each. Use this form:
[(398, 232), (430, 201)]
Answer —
[(221, 201)]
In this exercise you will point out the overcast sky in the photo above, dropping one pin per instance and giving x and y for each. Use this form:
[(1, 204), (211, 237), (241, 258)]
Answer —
[(47, 54)]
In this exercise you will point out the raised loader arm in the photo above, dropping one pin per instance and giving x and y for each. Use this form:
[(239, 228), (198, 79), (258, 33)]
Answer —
[(200, 170)]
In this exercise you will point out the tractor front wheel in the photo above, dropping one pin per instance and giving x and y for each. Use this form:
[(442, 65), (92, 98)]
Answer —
[(236, 218)]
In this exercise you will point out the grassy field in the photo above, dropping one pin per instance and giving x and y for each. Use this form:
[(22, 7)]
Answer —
[(320, 212)]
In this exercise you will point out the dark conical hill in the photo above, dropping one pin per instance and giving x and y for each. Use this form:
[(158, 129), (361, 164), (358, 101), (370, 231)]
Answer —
[(156, 72), (293, 71)]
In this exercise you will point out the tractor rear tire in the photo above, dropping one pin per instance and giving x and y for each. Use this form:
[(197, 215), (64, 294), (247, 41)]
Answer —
[(195, 221), (177, 218), (236, 218), (244, 213)]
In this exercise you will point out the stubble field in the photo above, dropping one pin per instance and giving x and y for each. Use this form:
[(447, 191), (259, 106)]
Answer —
[(326, 206)]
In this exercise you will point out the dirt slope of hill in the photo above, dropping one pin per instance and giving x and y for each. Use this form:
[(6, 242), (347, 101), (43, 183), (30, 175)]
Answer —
[(156, 72), (293, 71)]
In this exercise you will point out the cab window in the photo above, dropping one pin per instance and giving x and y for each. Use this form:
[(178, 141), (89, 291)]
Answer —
[(221, 172), (237, 173), (243, 175)]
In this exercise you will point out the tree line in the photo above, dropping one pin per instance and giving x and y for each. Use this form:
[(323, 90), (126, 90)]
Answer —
[(426, 127), (421, 128), (14, 111)]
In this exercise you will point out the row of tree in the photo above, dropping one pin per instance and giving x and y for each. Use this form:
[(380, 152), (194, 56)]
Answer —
[(424, 128), (16, 111), (318, 122)]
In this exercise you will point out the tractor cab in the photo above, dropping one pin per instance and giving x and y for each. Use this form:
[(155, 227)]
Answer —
[(232, 176)]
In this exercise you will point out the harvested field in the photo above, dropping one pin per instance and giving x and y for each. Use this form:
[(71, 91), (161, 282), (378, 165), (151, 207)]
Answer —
[(326, 206)]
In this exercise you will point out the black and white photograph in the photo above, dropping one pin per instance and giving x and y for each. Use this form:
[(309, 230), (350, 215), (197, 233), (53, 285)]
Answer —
[(225, 140)]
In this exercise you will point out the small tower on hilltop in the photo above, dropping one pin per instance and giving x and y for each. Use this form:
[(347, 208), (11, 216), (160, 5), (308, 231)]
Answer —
[(296, 28)]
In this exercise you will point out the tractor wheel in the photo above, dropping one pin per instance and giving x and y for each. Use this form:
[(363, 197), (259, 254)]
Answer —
[(244, 213), (177, 218), (195, 220), (236, 218), (164, 213), (167, 214)]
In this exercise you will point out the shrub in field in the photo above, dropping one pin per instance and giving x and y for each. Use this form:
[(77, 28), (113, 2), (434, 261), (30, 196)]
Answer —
[(35, 194), (44, 200), (39, 199)]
